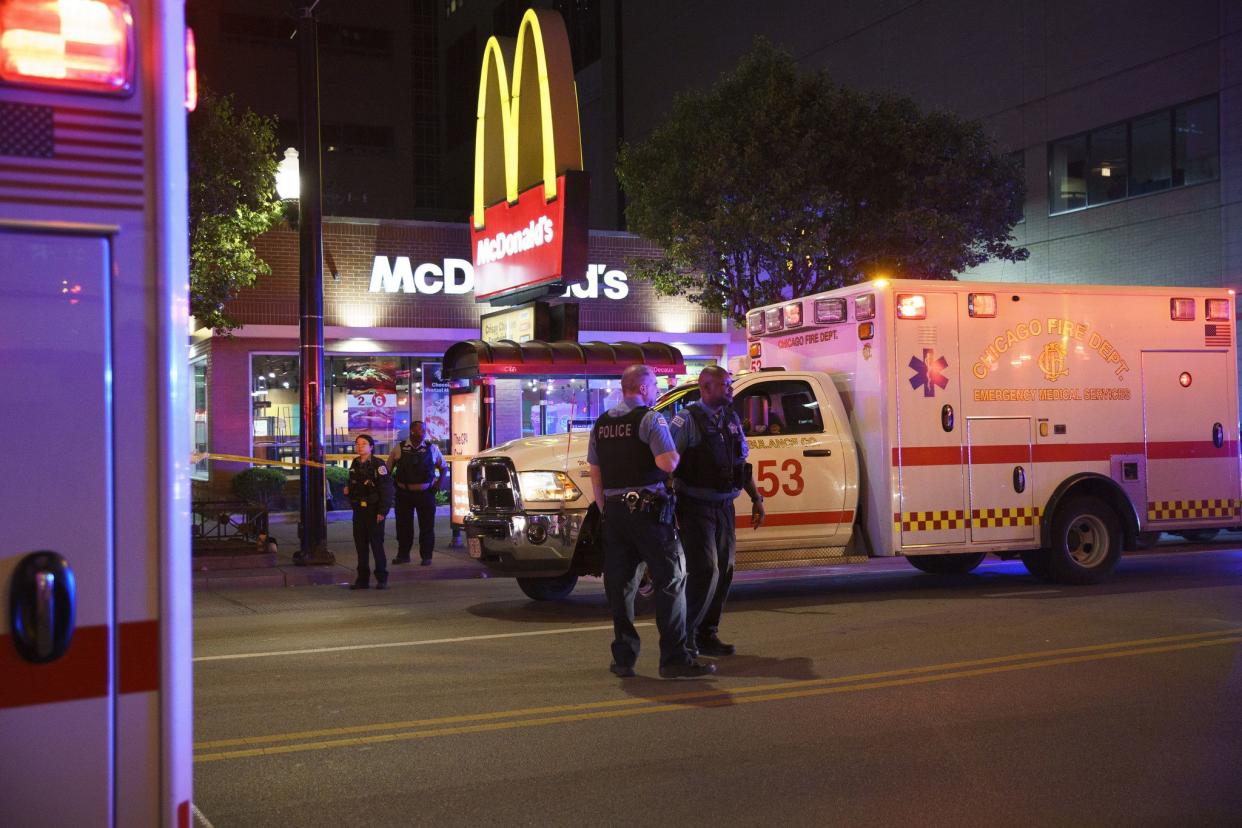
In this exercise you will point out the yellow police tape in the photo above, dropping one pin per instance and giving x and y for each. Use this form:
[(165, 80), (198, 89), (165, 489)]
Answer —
[(198, 457)]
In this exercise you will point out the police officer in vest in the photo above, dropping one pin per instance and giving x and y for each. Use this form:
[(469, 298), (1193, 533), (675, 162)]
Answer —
[(709, 437), (418, 467), (370, 492), (631, 455)]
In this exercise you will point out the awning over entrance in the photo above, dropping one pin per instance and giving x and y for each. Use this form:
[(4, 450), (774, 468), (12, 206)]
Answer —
[(476, 358)]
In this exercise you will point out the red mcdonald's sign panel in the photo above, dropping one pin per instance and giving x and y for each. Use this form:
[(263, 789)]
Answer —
[(529, 225)]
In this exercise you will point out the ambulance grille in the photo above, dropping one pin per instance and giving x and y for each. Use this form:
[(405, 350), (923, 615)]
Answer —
[(493, 486)]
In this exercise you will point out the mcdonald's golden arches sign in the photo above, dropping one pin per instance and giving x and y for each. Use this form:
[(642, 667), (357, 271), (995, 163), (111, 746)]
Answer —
[(529, 225)]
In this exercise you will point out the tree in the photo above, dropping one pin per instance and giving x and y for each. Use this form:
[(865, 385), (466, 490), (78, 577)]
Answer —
[(776, 182), (232, 169)]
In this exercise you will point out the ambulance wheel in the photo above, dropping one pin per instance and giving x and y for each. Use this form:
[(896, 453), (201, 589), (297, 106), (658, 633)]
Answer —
[(548, 589), (1199, 535), (947, 564), (1086, 542), (1036, 562)]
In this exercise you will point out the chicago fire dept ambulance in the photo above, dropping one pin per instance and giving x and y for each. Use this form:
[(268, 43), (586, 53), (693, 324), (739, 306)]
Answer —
[(95, 691), (940, 421)]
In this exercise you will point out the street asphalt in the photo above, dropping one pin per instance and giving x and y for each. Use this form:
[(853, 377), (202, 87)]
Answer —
[(875, 695)]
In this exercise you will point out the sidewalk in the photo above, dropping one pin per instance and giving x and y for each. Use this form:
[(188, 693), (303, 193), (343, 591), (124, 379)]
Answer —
[(242, 572)]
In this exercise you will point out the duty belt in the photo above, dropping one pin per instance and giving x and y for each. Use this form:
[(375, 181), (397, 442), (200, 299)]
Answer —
[(414, 487)]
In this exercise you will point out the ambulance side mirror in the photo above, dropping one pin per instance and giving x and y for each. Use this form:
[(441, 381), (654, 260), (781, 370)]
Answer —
[(757, 414)]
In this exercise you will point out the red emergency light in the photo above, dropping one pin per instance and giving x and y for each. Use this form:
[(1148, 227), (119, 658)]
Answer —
[(81, 45)]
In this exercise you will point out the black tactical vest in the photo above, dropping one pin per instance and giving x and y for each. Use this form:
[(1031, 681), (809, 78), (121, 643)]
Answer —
[(716, 462), (625, 461), (415, 464)]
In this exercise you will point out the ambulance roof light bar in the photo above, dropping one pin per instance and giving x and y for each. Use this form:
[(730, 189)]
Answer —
[(80, 45)]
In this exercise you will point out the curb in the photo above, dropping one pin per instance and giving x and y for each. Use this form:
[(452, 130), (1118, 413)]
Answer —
[(293, 576)]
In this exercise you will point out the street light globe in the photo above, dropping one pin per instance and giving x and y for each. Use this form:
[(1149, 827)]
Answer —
[(287, 175)]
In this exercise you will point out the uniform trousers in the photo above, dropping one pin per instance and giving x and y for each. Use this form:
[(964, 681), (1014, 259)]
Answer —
[(368, 542), (631, 538), (424, 505), (709, 538)]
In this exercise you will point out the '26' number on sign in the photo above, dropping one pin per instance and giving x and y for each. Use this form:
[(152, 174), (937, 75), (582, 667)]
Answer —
[(769, 482)]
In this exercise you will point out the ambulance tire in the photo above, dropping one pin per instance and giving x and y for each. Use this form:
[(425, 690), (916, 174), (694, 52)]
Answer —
[(548, 589), (946, 564), (1086, 541), (1036, 563)]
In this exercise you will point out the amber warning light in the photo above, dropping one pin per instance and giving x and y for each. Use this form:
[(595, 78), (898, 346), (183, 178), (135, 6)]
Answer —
[(83, 45)]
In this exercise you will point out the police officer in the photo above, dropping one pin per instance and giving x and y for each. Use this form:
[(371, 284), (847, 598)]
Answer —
[(709, 437), (418, 470), (370, 492), (631, 455)]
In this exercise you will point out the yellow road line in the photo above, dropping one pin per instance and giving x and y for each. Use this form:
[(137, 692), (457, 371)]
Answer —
[(710, 697)]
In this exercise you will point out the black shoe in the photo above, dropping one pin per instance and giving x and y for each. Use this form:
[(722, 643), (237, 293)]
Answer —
[(425, 562), (621, 672), (381, 585), (695, 669), (400, 559), (711, 645), (359, 585)]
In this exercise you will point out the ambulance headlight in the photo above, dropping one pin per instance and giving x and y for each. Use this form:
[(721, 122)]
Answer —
[(547, 486)]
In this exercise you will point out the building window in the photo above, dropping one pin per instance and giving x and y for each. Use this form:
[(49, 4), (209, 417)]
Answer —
[(1196, 143), (1107, 164), (1068, 166), (1170, 148), (198, 420), (275, 397), (1151, 142)]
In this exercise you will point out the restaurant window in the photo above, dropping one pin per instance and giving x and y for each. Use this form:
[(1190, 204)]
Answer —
[(275, 403), (198, 420), (563, 404), (368, 395)]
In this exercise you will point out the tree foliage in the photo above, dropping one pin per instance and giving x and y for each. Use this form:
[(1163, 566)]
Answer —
[(232, 168), (776, 182)]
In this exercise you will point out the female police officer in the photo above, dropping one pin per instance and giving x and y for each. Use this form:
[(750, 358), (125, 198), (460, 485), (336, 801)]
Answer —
[(370, 491)]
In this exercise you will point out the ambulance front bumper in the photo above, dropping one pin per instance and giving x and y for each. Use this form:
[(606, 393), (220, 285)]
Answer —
[(524, 543)]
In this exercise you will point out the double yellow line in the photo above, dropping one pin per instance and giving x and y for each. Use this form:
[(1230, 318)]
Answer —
[(704, 696)]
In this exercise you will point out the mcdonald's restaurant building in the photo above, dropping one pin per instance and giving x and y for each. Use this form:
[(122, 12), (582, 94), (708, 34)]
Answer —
[(397, 295)]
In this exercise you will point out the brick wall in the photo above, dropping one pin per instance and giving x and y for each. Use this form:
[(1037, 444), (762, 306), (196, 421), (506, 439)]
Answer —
[(350, 248)]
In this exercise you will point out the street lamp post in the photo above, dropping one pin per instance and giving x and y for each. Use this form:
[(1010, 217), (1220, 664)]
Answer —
[(314, 548)]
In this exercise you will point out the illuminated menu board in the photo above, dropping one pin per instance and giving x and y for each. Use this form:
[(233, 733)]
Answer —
[(464, 427)]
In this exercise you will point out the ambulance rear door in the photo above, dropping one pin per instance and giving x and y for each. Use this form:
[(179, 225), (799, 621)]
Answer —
[(57, 675), (1191, 438)]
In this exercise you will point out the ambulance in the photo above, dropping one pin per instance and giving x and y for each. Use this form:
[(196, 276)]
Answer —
[(940, 421), (95, 637)]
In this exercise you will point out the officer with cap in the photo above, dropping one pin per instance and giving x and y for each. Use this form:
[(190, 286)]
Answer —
[(631, 455), (418, 468), (370, 492), (708, 434)]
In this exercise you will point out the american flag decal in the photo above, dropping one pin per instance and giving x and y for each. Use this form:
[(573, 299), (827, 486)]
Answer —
[(71, 157), (1218, 335)]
